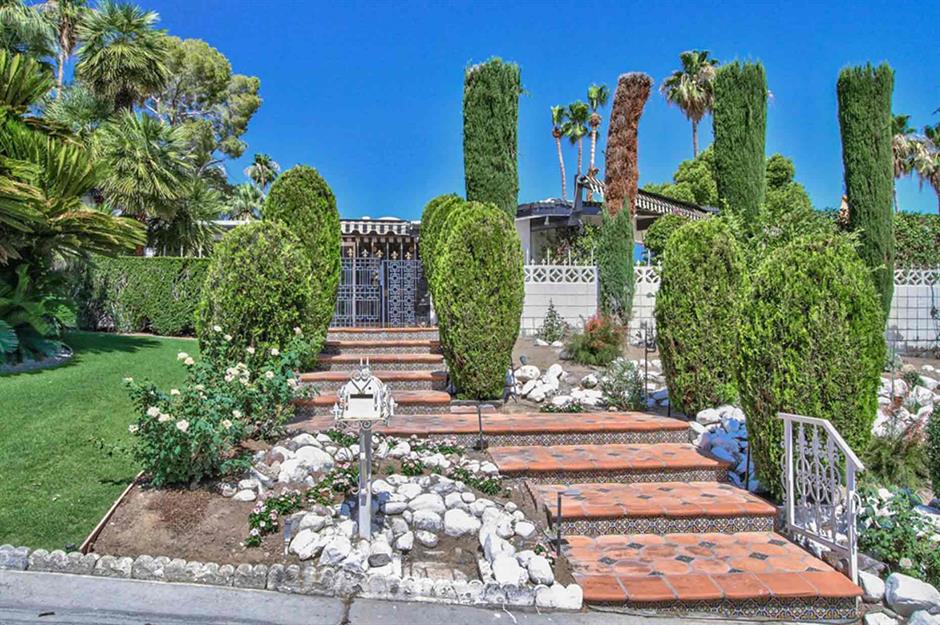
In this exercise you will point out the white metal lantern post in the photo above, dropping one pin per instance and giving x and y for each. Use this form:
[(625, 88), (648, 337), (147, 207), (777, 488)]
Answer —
[(364, 400)]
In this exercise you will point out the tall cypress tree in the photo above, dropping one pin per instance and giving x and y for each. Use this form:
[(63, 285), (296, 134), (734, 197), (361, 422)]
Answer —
[(864, 95), (490, 123), (739, 121)]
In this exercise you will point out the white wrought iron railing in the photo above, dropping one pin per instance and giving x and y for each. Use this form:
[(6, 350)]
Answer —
[(819, 482)]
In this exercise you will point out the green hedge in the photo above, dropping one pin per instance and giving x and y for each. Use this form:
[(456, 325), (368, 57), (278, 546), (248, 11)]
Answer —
[(139, 294), (933, 450), (658, 234), (917, 240), (615, 266), (739, 121), (702, 275), (811, 342), (490, 128), (479, 290), (432, 223), (258, 289), (302, 200), (864, 96)]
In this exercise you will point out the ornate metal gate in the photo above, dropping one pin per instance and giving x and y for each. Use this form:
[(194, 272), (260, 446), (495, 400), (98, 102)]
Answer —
[(376, 292)]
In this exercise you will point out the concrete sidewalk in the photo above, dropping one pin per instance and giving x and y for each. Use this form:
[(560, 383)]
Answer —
[(52, 598)]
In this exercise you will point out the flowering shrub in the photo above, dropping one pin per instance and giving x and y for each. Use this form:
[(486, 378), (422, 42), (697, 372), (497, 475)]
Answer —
[(598, 344), (191, 433), (265, 517), (411, 467), (622, 385)]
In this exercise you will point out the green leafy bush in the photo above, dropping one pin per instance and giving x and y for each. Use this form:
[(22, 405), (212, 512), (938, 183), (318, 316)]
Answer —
[(553, 327), (897, 458), (140, 294), (702, 276), (598, 344), (864, 98), (490, 127), (302, 200), (432, 224), (811, 342), (259, 288), (265, 517), (933, 449), (894, 533), (479, 291), (32, 318), (917, 240), (615, 266), (658, 234), (622, 385)]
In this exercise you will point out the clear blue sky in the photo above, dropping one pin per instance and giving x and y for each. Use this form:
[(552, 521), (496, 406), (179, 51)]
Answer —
[(370, 93)]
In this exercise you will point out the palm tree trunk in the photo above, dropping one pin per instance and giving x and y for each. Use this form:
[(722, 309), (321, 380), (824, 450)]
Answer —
[(60, 77), (590, 193), (694, 138), (580, 153), (561, 166)]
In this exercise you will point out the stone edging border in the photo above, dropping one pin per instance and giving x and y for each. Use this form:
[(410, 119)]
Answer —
[(307, 579)]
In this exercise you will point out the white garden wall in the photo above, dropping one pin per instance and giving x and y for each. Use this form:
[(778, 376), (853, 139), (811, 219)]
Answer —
[(572, 289)]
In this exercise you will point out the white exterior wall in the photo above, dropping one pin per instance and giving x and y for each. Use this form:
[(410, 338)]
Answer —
[(572, 289), (914, 321)]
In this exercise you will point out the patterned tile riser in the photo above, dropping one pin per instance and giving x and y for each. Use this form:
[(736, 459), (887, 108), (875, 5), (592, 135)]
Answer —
[(367, 349), (779, 608), (666, 525), (382, 336), (627, 477), (566, 438), (305, 412), (388, 366), (395, 385)]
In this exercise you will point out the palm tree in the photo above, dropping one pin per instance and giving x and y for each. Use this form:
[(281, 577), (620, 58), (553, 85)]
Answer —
[(559, 114), (927, 160), (24, 31), (621, 171), (576, 127), (691, 88), (65, 16), (597, 98), (147, 168), (246, 202), (191, 230), (263, 170), (122, 56)]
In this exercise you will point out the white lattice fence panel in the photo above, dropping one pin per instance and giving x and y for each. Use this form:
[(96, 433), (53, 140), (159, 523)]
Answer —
[(917, 277), (560, 274)]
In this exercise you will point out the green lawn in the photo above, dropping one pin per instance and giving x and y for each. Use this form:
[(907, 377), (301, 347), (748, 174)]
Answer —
[(55, 483)]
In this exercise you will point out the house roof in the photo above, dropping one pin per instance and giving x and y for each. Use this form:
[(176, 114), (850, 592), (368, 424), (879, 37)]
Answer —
[(646, 203)]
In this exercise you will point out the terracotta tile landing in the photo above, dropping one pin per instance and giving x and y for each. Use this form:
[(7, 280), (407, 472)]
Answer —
[(522, 460)]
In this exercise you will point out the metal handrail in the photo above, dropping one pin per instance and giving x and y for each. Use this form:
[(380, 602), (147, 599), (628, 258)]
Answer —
[(808, 482)]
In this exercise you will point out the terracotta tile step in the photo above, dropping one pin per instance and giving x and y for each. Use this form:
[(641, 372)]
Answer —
[(652, 569), (569, 464), (402, 398), (385, 376), (381, 346), (398, 362), (385, 330), (598, 509), (538, 428)]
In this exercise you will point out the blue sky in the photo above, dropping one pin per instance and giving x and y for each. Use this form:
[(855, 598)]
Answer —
[(370, 93)]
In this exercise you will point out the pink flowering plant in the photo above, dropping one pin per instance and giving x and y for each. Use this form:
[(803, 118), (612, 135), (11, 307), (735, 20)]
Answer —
[(265, 517), (191, 433)]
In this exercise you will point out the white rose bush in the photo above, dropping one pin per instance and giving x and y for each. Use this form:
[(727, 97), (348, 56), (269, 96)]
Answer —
[(195, 432)]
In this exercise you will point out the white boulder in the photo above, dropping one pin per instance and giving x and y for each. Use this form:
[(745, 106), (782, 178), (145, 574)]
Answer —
[(458, 523), (526, 373), (540, 571), (906, 595), (506, 570)]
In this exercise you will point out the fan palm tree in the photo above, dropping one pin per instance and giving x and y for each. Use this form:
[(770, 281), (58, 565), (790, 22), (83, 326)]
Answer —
[(597, 98), (559, 114), (575, 127), (263, 170), (191, 230), (246, 202), (122, 56), (23, 30), (147, 169), (65, 16), (691, 88), (927, 160)]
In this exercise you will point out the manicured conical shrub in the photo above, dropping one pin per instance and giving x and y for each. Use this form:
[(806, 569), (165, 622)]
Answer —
[(480, 287), (864, 95), (702, 275), (302, 200), (615, 266), (490, 127), (811, 342), (432, 223)]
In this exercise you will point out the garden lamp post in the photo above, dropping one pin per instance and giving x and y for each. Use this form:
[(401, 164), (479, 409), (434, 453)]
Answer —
[(364, 400)]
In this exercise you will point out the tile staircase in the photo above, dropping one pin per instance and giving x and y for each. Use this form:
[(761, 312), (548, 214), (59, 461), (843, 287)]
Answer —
[(648, 522)]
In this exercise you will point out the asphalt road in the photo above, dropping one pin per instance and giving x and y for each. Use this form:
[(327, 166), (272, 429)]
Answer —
[(51, 598)]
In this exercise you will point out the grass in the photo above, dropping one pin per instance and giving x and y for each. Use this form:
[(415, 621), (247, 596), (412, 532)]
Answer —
[(55, 482)]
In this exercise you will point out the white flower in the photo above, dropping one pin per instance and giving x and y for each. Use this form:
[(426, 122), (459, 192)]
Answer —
[(275, 351), (153, 411), (227, 337), (164, 418), (132, 429), (905, 563), (128, 380), (297, 330), (269, 375), (200, 387), (250, 350), (291, 382), (174, 391), (217, 328), (229, 377), (189, 362), (226, 424), (237, 414), (182, 425), (182, 356)]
